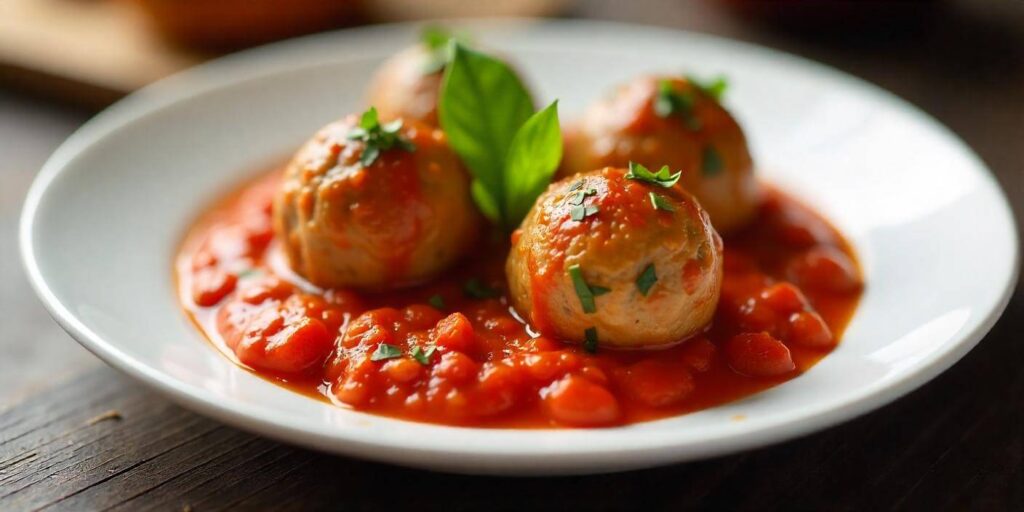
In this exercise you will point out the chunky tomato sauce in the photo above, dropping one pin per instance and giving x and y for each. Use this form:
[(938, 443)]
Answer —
[(465, 358)]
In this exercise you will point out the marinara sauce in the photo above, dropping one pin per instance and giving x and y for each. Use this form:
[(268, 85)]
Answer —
[(454, 352)]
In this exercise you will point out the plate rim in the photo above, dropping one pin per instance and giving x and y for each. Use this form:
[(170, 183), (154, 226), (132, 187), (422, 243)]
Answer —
[(235, 68)]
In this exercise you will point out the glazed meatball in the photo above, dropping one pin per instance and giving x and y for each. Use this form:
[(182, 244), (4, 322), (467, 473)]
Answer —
[(635, 263), (408, 84), (659, 121), (345, 221)]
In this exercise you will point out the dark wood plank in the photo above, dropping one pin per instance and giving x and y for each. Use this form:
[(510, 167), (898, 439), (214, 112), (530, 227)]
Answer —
[(100, 441)]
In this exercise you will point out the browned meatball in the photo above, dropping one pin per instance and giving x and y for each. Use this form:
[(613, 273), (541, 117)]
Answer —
[(636, 262), (399, 220), (407, 85), (688, 130)]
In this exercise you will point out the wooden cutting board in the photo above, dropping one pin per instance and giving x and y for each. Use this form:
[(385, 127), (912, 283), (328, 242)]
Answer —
[(89, 51)]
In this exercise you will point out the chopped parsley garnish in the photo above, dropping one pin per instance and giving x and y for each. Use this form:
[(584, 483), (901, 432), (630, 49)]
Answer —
[(476, 289), (646, 280), (436, 301), (590, 340), (577, 197), (671, 102), (660, 203), (385, 351), (421, 355), (714, 88), (377, 137), (586, 292), (580, 212), (711, 161), (663, 177)]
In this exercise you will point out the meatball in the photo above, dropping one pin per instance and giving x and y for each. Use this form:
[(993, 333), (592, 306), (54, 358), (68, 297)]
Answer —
[(659, 121), (626, 262), (408, 84), (393, 220)]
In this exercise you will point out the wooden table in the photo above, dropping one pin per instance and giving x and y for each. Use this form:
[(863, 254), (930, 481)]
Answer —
[(76, 435)]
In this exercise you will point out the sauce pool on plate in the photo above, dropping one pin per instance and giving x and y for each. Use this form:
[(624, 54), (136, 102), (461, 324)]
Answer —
[(452, 351)]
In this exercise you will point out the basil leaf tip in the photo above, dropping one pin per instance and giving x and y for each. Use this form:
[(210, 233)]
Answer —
[(511, 151)]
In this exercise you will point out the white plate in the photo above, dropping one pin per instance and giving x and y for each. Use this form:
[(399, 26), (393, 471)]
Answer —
[(933, 230)]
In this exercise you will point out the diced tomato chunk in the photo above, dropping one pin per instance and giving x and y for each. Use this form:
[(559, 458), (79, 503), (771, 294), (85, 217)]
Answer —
[(594, 374), (544, 344), (656, 383), (372, 328), (755, 315), (698, 354), (784, 298), (579, 402), (402, 370), (827, 269), (421, 316), (210, 285), (497, 389), (758, 355), (454, 332), (264, 288), (808, 329), (456, 367), (356, 388), (547, 366), (285, 338)]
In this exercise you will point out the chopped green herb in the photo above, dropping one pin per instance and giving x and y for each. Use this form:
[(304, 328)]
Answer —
[(436, 301), (663, 177), (577, 212), (584, 291), (249, 272), (385, 351), (590, 340), (715, 88), (476, 289), (577, 197), (580, 212), (669, 102), (646, 280), (377, 137), (660, 203), (421, 355), (711, 161)]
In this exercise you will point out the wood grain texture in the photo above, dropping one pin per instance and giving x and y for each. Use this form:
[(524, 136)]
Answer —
[(955, 444), (102, 442)]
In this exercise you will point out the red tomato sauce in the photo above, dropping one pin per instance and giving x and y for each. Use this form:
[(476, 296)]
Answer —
[(457, 354)]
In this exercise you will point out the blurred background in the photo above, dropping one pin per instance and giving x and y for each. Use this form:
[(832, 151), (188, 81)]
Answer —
[(61, 61)]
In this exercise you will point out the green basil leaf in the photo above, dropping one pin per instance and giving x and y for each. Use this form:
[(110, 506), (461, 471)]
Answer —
[(532, 159), (482, 106)]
